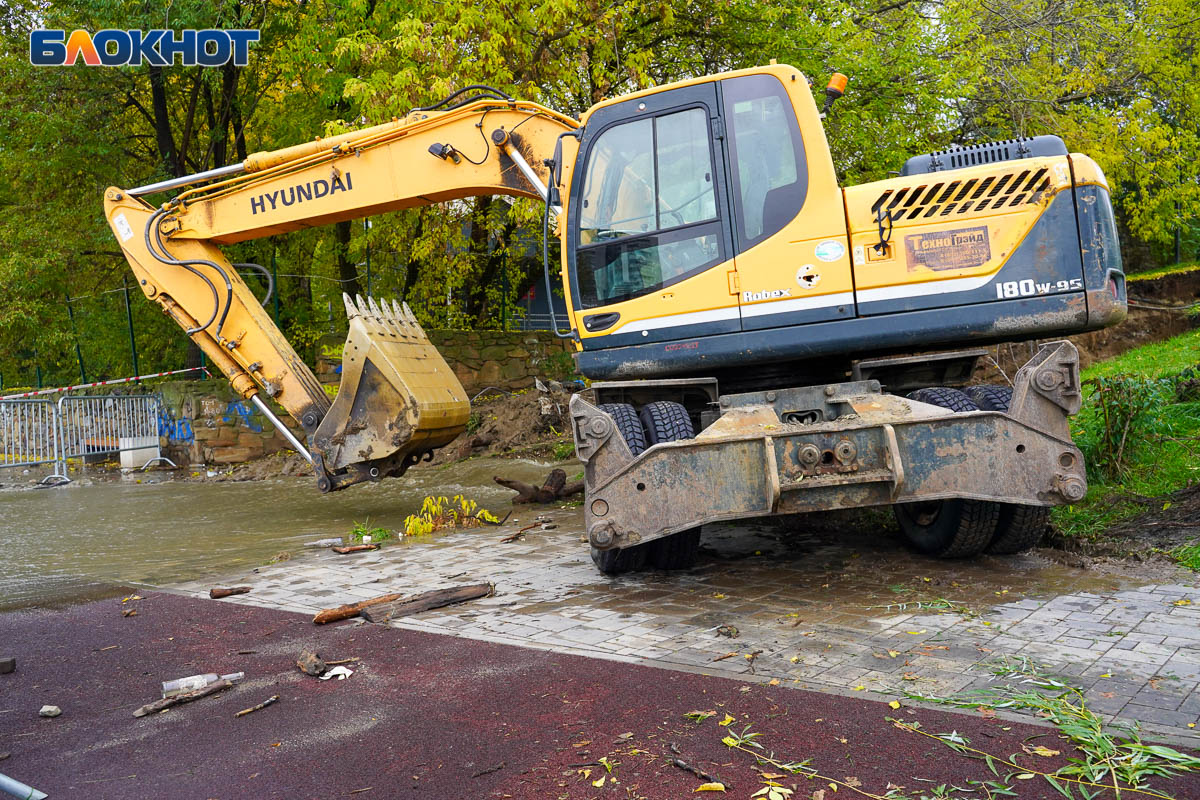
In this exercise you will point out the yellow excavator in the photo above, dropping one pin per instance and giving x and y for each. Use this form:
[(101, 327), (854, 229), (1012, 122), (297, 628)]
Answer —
[(743, 318)]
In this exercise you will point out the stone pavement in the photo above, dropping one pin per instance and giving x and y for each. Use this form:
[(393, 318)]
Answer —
[(814, 602)]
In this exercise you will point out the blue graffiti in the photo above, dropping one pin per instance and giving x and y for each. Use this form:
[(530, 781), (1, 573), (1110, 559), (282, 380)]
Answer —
[(238, 410), (177, 431)]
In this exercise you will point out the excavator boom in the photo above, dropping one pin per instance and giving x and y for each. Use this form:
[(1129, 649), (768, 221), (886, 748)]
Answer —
[(398, 400)]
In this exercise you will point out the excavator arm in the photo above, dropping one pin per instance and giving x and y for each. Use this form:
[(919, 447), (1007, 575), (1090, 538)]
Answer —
[(398, 400)]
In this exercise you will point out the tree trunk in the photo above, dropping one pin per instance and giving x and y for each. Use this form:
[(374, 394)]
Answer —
[(162, 124), (347, 272)]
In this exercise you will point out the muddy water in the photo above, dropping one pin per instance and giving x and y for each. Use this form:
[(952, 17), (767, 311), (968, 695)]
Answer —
[(76, 541)]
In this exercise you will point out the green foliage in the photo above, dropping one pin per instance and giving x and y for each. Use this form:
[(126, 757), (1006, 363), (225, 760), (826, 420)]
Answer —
[(438, 513), (564, 450), (360, 530), (558, 366), (1121, 417), (474, 421), (1188, 556)]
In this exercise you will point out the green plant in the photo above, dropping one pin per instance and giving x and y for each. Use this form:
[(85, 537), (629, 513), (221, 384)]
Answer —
[(1121, 414), (1188, 555), (564, 450), (474, 421), (361, 530), (440, 512)]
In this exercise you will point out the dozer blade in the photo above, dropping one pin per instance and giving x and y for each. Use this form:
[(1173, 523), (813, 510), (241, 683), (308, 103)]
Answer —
[(398, 400)]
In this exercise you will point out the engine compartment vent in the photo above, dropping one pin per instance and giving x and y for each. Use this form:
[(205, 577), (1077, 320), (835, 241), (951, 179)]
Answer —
[(988, 153), (943, 198)]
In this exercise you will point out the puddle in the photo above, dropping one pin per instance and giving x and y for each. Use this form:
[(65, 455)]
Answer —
[(69, 543)]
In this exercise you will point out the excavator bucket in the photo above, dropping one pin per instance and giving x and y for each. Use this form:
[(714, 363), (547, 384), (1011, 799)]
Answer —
[(398, 400)]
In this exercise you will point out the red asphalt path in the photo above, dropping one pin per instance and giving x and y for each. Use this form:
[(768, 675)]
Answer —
[(425, 716)]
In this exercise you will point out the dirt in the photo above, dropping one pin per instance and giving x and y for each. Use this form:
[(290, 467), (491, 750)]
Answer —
[(1168, 522), (525, 422)]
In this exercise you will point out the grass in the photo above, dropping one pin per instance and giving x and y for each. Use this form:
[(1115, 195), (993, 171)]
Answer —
[(1162, 456), (360, 530), (1188, 556), (1172, 269)]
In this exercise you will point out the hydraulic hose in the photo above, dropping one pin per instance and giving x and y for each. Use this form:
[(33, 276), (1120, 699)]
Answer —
[(570, 334), (166, 259), (266, 273)]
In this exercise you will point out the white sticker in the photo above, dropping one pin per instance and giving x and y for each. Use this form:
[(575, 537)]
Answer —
[(123, 227), (830, 250), (1061, 171), (860, 255), (807, 276)]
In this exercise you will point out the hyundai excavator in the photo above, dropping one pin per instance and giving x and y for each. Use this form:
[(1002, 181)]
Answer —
[(747, 323)]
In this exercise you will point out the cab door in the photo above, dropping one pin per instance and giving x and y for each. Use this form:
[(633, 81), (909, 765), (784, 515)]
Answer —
[(788, 222), (649, 222)]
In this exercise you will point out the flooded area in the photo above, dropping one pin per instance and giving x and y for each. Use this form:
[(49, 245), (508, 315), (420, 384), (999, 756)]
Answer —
[(76, 541)]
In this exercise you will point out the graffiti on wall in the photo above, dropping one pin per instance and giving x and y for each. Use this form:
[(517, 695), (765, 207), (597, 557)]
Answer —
[(236, 411), (177, 431)]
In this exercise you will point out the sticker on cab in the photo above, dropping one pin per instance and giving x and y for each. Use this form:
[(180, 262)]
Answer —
[(964, 248), (830, 250), (807, 276)]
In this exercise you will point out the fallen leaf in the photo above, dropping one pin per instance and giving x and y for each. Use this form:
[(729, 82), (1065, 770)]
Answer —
[(893, 653), (1108, 694), (709, 787), (859, 688), (852, 782), (1024, 776), (773, 682), (986, 712), (587, 773), (718, 596), (1191, 724), (276, 744), (908, 676), (1039, 750), (1106, 675), (599, 781), (725, 722), (795, 659), (1183, 602), (819, 794), (833, 786), (915, 633), (581, 744), (729, 741), (770, 776), (894, 704)]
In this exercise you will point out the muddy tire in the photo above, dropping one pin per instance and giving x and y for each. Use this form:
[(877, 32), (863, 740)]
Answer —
[(944, 397), (614, 562), (990, 398), (1019, 528), (628, 424), (949, 528), (957, 528), (664, 421)]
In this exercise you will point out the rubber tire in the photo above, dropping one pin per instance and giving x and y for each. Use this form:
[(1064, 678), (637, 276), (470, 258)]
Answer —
[(1020, 527), (629, 559), (628, 424), (665, 421), (960, 528), (990, 398)]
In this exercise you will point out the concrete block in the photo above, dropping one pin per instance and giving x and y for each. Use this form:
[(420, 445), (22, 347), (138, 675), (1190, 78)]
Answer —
[(7, 665)]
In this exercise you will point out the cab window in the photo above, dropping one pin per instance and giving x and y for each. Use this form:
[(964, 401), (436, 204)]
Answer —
[(648, 214), (770, 175)]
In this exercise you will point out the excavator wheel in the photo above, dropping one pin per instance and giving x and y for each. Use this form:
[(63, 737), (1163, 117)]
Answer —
[(990, 398), (630, 559), (1020, 527), (957, 528), (670, 422)]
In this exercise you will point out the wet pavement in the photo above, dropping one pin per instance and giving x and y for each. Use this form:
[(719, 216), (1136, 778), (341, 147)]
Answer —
[(822, 602)]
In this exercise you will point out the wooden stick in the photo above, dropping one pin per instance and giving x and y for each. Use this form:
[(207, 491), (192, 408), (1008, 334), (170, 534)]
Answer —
[(357, 548), (167, 702), (428, 601), (342, 661), (216, 593), (353, 609), (272, 699)]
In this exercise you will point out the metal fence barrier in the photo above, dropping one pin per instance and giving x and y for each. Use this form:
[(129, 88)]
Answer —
[(29, 434), (48, 432)]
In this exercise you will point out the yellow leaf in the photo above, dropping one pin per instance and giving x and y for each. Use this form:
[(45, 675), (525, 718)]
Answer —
[(600, 782), (795, 659), (718, 596), (894, 704), (893, 653), (709, 787), (916, 633), (1024, 776), (1044, 752), (833, 786), (1166, 505), (1184, 602), (729, 741), (773, 682), (1106, 675), (725, 722)]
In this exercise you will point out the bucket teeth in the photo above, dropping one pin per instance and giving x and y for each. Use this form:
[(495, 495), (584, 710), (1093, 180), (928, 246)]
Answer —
[(390, 316)]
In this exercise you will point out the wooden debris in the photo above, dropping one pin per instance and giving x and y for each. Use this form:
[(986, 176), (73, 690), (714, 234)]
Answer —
[(353, 609), (167, 702), (519, 534), (217, 592), (272, 699), (428, 601), (129, 612), (311, 664), (553, 489), (355, 548), (342, 661)]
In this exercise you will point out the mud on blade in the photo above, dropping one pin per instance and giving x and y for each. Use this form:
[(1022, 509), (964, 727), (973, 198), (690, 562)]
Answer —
[(398, 400)]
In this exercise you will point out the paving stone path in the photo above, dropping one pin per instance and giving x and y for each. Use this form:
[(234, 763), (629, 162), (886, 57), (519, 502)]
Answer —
[(816, 607)]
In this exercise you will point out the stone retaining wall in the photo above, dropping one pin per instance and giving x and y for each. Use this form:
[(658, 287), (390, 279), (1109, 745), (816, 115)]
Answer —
[(205, 422), (506, 359)]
